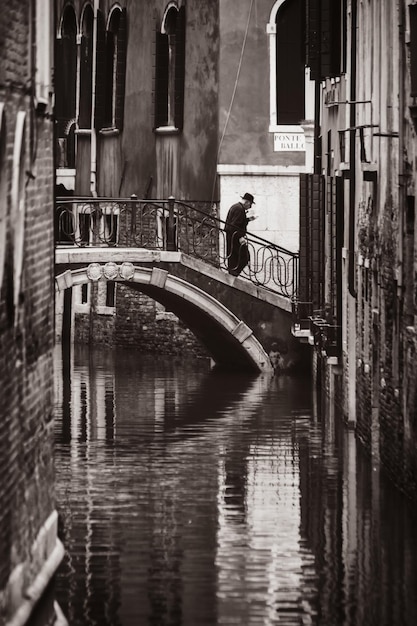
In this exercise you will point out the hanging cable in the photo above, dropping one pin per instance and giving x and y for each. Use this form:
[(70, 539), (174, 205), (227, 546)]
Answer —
[(233, 95)]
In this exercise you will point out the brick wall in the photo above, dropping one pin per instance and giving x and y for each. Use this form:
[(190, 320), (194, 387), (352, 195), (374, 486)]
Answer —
[(140, 323), (409, 401), (26, 330)]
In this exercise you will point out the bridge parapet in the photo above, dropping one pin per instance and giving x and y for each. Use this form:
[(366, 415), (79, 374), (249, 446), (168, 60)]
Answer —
[(193, 228)]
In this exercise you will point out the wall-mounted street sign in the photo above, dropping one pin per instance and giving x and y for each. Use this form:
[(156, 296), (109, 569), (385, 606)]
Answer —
[(288, 142)]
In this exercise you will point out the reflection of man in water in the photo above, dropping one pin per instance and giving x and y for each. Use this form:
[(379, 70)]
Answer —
[(236, 244), (276, 358)]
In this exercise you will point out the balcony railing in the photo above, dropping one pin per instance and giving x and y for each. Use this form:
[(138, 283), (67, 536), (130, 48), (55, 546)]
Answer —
[(190, 227), (314, 326)]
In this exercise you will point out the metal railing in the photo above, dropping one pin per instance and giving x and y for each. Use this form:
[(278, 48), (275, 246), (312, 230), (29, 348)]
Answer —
[(190, 227)]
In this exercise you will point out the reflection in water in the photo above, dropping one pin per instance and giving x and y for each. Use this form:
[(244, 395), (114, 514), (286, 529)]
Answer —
[(192, 497)]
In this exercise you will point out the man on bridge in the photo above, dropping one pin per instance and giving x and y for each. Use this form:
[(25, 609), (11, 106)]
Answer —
[(237, 253)]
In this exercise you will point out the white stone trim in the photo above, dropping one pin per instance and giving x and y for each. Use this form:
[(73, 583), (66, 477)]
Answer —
[(44, 54), (18, 199), (259, 170), (271, 30), (66, 176), (47, 553), (67, 256)]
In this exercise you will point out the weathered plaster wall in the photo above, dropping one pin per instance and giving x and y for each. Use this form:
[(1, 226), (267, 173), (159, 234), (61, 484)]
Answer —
[(244, 91), (184, 164), (247, 160)]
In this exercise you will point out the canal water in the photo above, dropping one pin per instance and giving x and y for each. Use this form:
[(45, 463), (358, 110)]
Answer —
[(191, 497)]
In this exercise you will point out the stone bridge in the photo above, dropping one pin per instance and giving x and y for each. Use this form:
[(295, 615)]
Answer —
[(235, 320)]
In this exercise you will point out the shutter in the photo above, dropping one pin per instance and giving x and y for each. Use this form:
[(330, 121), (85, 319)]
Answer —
[(317, 241), (336, 38), (59, 79), (121, 70), (331, 34), (340, 210), (99, 111), (161, 80), (179, 70), (85, 82), (331, 212), (304, 291), (413, 49), (311, 277), (69, 71), (326, 38), (313, 35), (109, 79)]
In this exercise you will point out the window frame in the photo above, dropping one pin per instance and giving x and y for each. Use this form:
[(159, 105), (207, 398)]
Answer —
[(169, 79), (271, 30)]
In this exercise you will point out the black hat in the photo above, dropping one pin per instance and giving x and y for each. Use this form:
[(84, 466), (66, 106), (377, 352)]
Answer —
[(248, 196)]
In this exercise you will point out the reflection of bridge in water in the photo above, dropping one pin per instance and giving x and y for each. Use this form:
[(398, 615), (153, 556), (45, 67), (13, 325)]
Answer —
[(175, 253)]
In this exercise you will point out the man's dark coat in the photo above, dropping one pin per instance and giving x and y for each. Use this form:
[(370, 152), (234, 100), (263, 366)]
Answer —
[(235, 228)]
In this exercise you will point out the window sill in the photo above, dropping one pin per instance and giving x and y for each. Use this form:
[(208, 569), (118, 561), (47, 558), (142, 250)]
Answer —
[(106, 310), (65, 171), (81, 308), (167, 130), (109, 132), (285, 128)]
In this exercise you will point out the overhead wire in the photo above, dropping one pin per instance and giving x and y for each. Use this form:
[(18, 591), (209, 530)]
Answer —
[(233, 95)]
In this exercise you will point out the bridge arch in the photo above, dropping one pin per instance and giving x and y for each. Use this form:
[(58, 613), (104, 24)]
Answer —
[(227, 338)]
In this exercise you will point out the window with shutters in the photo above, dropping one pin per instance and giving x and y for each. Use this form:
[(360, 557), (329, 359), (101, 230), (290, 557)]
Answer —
[(326, 38), (110, 70), (312, 258), (66, 88), (114, 70), (86, 69), (170, 70)]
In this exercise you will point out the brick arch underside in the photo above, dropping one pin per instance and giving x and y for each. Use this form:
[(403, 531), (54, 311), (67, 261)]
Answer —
[(230, 342)]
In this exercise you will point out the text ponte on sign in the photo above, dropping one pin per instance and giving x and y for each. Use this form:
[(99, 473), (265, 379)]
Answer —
[(288, 141)]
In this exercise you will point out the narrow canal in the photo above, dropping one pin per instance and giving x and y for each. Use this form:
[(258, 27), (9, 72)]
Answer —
[(188, 497)]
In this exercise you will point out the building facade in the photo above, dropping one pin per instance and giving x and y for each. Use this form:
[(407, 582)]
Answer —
[(266, 113), (357, 244), (183, 99), (30, 550)]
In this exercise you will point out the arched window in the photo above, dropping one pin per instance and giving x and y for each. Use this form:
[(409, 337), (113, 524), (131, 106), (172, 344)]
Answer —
[(290, 88), (287, 63), (66, 69), (86, 69), (170, 69), (111, 70), (65, 84), (115, 69)]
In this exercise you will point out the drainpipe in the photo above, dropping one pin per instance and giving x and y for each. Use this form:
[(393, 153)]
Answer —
[(402, 186), (317, 129), (352, 150), (402, 183), (93, 158)]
